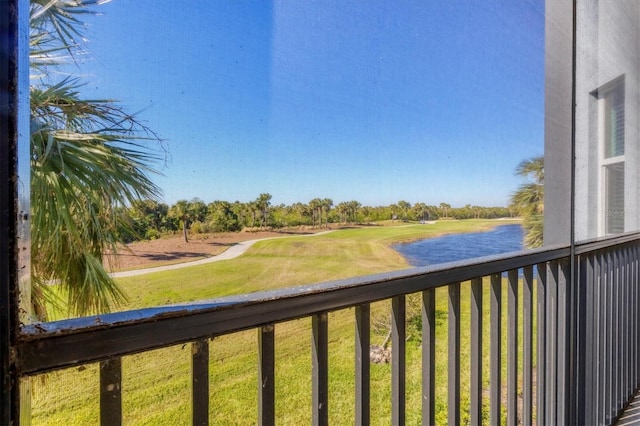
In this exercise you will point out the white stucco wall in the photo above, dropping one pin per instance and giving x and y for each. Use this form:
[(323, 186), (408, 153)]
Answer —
[(608, 47)]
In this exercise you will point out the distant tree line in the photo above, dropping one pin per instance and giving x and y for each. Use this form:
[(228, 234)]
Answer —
[(151, 219)]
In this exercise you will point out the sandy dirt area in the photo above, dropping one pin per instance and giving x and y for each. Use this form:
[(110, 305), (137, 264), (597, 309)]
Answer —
[(171, 250)]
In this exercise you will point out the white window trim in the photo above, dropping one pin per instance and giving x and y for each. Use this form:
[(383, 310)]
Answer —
[(603, 161)]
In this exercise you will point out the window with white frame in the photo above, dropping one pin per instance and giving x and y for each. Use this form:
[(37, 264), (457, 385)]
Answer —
[(611, 134)]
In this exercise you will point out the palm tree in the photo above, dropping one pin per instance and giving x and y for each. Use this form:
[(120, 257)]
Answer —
[(420, 210), (325, 206), (252, 209), (529, 199), (404, 206), (354, 206), (445, 209), (316, 207), (88, 158), (263, 202), (181, 211)]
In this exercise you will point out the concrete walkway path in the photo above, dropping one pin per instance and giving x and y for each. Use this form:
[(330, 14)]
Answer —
[(231, 253)]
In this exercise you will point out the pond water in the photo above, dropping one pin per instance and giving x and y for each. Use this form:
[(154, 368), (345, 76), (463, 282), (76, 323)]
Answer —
[(449, 248)]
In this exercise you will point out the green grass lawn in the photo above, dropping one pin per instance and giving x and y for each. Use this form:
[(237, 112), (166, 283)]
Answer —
[(156, 385)]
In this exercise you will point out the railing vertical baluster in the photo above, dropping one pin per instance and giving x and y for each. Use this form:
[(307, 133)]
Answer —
[(630, 323), (496, 344), (615, 336), (111, 392), (635, 336), (624, 321), (609, 341), (512, 348), (541, 294), (627, 322), (622, 292), (563, 365), (398, 378), (428, 356), (363, 364), (621, 330), (632, 326), (618, 402), (527, 346), (574, 327), (587, 340), (266, 375), (604, 312), (200, 382), (453, 319), (320, 370), (636, 311), (600, 314), (475, 415), (624, 325), (631, 318), (552, 341)]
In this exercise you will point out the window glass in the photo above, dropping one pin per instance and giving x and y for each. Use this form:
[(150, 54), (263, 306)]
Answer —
[(613, 125), (614, 193)]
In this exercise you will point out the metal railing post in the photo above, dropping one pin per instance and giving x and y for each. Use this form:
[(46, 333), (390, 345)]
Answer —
[(495, 400), (363, 364), (200, 382), (475, 414), (320, 370), (428, 356), (266, 375), (111, 392), (398, 366), (453, 320)]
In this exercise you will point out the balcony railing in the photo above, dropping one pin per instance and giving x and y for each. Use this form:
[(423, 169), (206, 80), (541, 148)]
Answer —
[(578, 328)]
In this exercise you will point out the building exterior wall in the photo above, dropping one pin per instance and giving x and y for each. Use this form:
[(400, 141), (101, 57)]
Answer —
[(607, 55), (558, 119)]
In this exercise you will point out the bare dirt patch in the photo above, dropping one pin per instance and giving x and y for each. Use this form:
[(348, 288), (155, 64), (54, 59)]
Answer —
[(171, 250)]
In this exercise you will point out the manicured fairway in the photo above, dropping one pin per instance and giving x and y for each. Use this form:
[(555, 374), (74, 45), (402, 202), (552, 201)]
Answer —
[(290, 261)]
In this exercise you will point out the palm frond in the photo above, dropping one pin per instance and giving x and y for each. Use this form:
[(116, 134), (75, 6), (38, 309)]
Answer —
[(62, 18), (529, 200), (56, 33), (532, 166), (88, 158)]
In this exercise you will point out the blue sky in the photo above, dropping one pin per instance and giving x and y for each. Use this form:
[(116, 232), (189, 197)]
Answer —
[(376, 101)]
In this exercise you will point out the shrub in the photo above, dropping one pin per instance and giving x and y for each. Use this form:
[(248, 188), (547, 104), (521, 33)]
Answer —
[(197, 227), (152, 234)]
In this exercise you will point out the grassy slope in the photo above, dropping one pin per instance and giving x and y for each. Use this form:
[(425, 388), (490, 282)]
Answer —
[(290, 261), (156, 388)]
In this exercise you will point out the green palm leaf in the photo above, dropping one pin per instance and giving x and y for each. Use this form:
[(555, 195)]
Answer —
[(88, 158), (529, 200)]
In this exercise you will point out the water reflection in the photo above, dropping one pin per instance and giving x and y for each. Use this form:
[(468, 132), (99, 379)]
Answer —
[(449, 248)]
